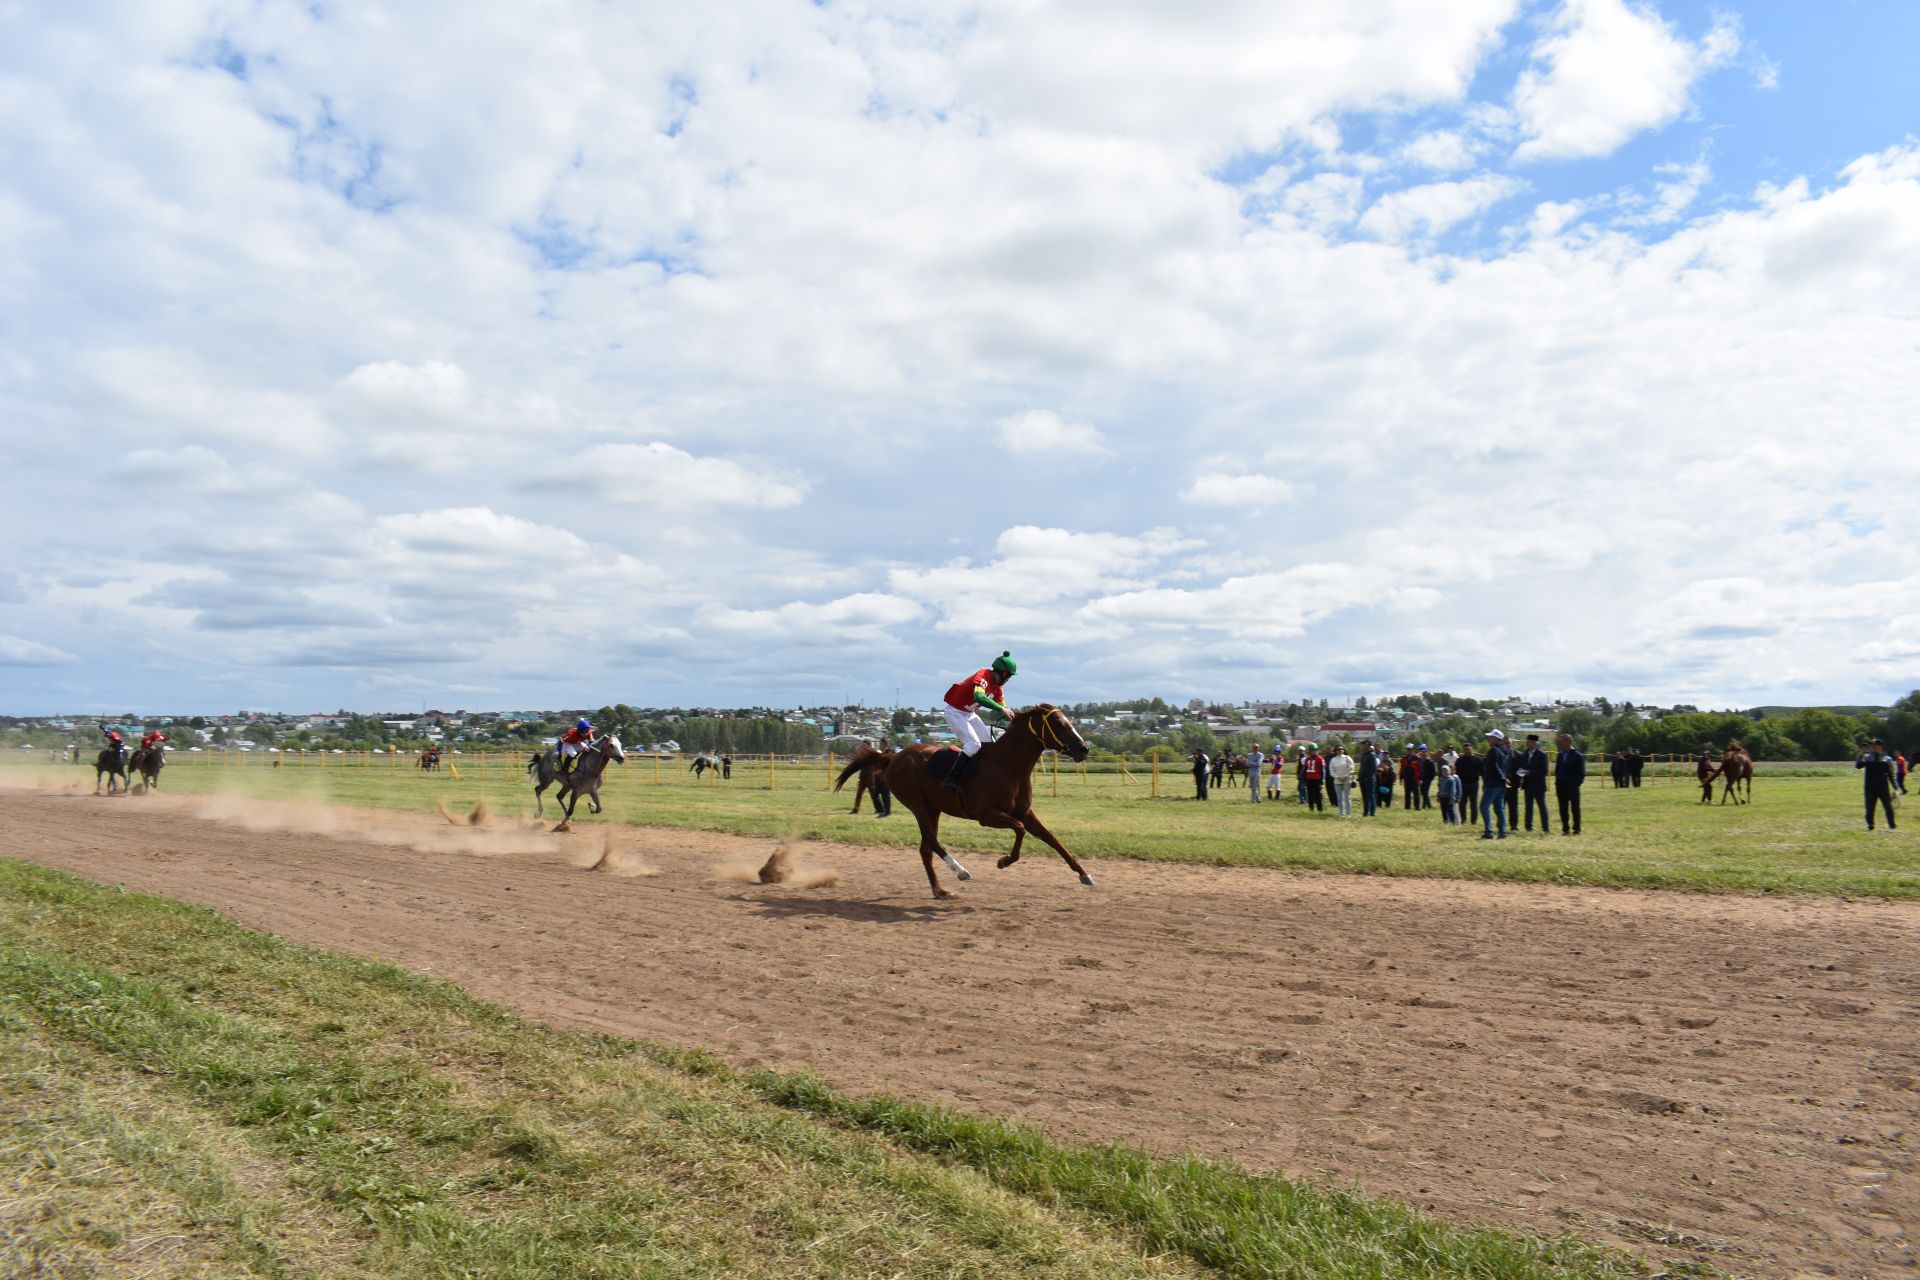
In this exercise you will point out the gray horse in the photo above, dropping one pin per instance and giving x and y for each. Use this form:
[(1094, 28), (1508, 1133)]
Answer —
[(582, 780)]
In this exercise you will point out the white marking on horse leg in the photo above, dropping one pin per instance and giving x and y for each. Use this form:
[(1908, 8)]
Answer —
[(955, 867), (1086, 880)]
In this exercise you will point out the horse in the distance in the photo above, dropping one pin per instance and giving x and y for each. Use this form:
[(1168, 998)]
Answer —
[(582, 780), (148, 762), (998, 793), (1736, 767), (1236, 768), (109, 765), (430, 759)]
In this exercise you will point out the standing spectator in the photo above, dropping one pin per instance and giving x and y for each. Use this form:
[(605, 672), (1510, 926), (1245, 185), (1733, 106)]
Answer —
[(1254, 759), (1340, 770), (1635, 763), (1202, 770), (1496, 779), (1383, 783), (1449, 796), (1220, 767), (1879, 779), (1900, 772), (1531, 770), (726, 773), (1429, 770), (1300, 774), (1569, 772), (1369, 787), (1313, 774), (1276, 772), (1703, 774), (1619, 769), (1410, 779), (1467, 769)]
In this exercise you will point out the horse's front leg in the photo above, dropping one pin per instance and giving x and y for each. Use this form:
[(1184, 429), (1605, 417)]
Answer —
[(1039, 829)]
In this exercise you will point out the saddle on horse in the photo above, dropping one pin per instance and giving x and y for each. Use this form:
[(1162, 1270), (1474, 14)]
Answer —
[(951, 767)]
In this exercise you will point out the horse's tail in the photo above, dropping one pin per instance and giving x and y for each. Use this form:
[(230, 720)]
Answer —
[(864, 757)]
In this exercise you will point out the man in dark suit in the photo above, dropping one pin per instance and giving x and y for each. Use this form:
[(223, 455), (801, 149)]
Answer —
[(1569, 772), (1532, 772), (1881, 770), (1635, 764), (1467, 769), (1429, 770), (1369, 780)]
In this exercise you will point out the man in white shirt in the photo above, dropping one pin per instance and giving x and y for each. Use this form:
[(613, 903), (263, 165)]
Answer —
[(1340, 773)]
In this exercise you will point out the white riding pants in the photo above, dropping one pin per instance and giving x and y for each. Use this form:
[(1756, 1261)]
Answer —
[(969, 728), (570, 749)]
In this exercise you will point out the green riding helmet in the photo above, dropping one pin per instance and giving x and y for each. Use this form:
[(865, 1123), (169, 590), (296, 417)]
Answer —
[(1004, 666)]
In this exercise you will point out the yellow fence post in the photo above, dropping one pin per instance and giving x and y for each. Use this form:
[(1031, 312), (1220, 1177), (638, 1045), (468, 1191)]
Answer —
[(656, 768), (1156, 775), (829, 770), (770, 785)]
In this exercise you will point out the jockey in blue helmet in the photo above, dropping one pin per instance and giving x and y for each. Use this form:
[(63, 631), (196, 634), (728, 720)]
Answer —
[(574, 741)]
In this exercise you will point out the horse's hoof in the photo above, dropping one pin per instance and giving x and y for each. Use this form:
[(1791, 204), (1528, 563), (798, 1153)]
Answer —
[(1086, 880), (1003, 863), (565, 826), (963, 874), (943, 893)]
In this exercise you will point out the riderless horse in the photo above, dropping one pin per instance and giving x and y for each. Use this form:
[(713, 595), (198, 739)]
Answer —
[(582, 780), (1736, 766), (998, 793)]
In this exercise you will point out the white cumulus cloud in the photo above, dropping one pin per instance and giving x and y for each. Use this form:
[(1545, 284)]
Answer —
[(1607, 70)]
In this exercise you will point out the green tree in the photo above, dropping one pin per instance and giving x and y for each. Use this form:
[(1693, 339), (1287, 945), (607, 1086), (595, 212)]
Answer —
[(1822, 734)]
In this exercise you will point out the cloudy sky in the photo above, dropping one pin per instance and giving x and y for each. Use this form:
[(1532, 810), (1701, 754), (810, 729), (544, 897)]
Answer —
[(497, 355)]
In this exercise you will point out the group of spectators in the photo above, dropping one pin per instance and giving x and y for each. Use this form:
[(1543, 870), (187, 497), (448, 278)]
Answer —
[(1492, 784)]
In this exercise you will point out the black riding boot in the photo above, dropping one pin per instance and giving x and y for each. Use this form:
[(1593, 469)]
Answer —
[(956, 779)]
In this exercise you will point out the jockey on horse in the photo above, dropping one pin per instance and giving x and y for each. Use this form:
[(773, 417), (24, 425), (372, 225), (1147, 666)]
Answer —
[(984, 688), (115, 744), (572, 743)]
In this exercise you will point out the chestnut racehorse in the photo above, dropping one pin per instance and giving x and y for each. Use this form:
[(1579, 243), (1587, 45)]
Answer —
[(998, 793)]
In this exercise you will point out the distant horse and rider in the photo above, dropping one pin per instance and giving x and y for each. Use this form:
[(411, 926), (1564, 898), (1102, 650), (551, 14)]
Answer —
[(148, 762), (583, 779), (997, 792), (430, 758), (110, 764)]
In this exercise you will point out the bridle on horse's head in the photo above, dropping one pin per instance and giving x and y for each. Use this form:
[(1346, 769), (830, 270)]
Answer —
[(1040, 721)]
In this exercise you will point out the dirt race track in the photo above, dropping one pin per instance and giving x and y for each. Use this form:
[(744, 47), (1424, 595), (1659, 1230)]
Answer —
[(1731, 1080)]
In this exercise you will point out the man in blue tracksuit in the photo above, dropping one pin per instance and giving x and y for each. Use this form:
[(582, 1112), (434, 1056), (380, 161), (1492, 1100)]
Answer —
[(1880, 769), (1569, 772), (1496, 780)]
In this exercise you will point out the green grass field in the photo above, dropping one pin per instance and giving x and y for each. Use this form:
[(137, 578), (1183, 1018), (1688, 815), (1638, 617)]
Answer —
[(1803, 834), (183, 1097)]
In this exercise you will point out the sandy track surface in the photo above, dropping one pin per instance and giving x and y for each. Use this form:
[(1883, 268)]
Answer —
[(1729, 1079)]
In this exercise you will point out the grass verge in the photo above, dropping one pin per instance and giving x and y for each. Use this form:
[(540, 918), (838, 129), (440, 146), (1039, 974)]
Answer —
[(262, 1109)]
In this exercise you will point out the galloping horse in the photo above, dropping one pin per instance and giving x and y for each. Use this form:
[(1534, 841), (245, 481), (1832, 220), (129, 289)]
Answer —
[(109, 764), (582, 780), (999, 792), (1736, 766), (148, 762)]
